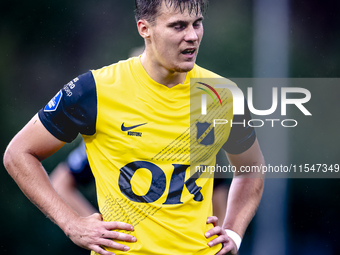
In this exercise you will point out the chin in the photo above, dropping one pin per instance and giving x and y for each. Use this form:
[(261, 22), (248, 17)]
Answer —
[(186, 67)]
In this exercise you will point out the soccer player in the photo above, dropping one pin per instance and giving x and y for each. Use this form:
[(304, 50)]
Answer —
[(132, 115)]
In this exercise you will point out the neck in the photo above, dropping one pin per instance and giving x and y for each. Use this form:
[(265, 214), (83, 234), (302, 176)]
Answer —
[(160, 74)]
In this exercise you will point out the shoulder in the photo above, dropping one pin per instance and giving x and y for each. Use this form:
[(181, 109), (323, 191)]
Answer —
[(201, 72), (72, 110), (80, 91), (80, 86), (108, 74)]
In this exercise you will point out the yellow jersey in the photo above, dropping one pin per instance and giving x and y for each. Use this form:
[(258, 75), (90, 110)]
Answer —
[(138, 136)]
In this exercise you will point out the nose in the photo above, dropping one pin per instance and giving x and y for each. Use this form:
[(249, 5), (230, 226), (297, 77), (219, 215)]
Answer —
[(191, 34)]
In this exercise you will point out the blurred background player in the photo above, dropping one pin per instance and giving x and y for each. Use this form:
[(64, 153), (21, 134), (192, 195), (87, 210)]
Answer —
[(69, 176)]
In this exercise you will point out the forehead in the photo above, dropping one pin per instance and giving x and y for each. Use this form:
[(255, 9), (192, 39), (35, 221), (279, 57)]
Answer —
[(169, 13)]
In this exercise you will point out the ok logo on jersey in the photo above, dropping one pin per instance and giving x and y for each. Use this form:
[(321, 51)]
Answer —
[(158, 183)]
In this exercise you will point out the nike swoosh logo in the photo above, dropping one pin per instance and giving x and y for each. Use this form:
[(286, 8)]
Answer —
[(123, 128)]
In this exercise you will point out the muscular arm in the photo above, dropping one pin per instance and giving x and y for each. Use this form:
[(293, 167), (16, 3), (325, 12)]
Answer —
[(245, 190), (244, 197), (22, 161)]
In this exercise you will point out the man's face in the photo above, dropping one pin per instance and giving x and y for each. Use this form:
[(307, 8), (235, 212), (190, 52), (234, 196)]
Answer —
[(175, 38)]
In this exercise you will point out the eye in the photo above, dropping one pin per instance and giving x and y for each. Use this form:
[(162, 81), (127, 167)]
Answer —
[(197, 24), (179, 26)]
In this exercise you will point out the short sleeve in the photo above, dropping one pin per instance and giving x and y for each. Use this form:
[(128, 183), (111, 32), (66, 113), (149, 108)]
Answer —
[(242, 135), (72, 110)]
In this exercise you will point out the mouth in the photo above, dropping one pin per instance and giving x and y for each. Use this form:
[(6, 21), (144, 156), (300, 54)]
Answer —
[(190, 52)]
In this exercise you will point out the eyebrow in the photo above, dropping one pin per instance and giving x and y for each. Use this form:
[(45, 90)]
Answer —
[(172, 24)]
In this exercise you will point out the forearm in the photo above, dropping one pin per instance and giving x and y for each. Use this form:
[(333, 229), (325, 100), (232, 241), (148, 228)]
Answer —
[(245, 191), (90, 233), (22, 161), (29, 174), (244, 197)]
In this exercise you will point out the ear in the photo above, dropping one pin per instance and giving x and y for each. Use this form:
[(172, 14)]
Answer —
[(143, 28)]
